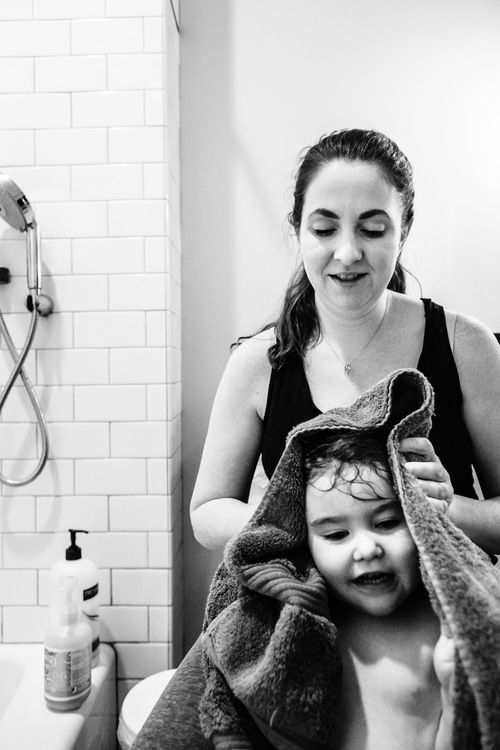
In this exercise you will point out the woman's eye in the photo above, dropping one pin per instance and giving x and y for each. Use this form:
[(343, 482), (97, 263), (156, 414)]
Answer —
[(323, 232), (373, 232)]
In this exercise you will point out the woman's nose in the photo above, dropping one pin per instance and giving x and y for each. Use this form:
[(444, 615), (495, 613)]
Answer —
[(366, 547), (347, 249)]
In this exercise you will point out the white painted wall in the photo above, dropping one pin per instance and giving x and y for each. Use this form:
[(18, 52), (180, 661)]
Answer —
[(260, 80)]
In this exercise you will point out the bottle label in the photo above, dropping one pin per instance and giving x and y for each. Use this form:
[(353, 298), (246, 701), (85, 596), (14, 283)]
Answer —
[(67, 673), (90, 592)]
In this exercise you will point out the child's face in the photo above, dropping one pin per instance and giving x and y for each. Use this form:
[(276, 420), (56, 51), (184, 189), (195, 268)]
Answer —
[(362, 547)]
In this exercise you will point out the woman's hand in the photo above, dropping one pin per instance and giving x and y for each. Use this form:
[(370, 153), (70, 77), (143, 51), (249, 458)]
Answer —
[(430, 472)]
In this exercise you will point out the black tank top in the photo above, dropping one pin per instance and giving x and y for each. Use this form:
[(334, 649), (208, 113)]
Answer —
[(289, 402)]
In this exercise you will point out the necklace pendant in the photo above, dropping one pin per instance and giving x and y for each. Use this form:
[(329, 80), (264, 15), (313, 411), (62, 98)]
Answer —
[(347, 369)]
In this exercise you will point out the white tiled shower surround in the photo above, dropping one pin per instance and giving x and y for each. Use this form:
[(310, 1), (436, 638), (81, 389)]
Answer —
[(89, 116)]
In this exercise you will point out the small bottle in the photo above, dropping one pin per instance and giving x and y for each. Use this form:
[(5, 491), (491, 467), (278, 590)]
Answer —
[(86, 572), (67, 651)]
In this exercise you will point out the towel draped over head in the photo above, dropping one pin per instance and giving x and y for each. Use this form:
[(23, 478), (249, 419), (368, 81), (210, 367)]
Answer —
[(271, 660)]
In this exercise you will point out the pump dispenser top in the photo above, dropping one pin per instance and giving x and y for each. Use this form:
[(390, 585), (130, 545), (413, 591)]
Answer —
[(74, 552)]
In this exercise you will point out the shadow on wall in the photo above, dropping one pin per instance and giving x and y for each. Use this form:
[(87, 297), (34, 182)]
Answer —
[(206, 118)]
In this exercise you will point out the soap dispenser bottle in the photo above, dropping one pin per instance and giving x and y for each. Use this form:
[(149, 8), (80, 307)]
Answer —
[(86, 573), (67, 651)]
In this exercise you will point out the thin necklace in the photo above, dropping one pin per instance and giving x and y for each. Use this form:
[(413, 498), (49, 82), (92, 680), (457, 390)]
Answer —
[(348, 365)]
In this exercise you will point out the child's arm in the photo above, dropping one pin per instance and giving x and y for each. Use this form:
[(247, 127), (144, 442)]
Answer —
[(444, 666), (444, 733)]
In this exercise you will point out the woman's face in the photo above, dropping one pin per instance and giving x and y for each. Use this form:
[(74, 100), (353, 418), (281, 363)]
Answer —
[(350, 235)]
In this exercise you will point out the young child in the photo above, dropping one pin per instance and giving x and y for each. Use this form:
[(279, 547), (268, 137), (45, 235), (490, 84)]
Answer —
[(319, 630), (397, 670), (396, 682)]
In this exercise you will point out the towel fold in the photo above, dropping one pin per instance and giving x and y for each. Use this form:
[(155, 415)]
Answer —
[(271, 660)]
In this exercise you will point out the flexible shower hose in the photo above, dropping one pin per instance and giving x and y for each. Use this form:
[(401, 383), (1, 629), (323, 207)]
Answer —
[(18, 370)]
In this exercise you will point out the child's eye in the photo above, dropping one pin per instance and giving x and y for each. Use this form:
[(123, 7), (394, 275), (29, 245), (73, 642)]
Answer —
[(389, 523), (337, 536)]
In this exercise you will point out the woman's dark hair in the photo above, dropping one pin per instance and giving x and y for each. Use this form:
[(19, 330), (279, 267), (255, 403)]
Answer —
[(345, 448), (297, 324)]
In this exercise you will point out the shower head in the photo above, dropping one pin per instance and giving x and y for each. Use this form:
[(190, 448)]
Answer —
[(15, 208)]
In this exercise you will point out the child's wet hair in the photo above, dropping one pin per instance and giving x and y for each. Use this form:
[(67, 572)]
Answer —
[(345, 449)]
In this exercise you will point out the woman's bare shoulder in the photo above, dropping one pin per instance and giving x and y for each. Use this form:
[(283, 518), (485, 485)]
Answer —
[(472, 339), (248, 370), (267, 336), (252, 351), (477, 356), (466, 333)]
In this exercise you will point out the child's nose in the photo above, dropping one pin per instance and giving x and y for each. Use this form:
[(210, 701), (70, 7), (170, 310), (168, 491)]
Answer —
[(366, 548)]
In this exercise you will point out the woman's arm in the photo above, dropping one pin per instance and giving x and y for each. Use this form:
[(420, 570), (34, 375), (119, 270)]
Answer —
[(477, 356), (218, 506)]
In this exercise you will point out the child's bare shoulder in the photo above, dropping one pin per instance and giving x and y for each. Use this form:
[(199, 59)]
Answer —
[(392, 695)]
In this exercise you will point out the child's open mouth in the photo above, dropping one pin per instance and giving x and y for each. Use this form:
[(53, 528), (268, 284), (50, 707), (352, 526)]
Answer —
[(374, 579)]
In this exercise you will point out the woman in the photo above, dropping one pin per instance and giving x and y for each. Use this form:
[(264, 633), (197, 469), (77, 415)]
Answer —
[(345, 324)]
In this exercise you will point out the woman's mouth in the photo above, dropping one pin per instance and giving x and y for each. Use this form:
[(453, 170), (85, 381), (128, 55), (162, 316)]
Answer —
[(346, 278)]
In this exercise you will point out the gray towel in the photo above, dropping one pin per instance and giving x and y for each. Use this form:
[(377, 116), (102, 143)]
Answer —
[(270, 646)]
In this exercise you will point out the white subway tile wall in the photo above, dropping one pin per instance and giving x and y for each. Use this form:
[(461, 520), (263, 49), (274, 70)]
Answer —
[(89, 130)]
